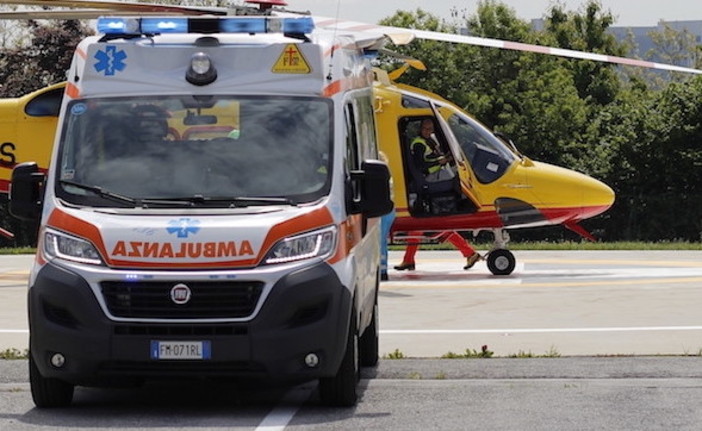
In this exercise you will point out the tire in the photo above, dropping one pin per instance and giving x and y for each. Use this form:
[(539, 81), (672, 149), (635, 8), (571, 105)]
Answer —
[(47, 392), (501, 262), (369, 342), (340, 390)]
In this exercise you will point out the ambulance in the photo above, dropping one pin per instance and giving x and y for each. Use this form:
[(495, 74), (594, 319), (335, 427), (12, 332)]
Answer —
[(211, 209)]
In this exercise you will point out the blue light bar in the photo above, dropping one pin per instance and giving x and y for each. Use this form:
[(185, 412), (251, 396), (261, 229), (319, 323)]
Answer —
[(164, 25), (158, 25), (117, 25), (303, 25), (242, 25)]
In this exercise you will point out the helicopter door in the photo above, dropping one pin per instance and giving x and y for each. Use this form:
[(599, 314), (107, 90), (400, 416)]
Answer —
[(432, 190), (462, 167)]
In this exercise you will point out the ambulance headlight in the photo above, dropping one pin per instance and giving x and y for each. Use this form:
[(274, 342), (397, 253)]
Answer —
[(317, 244), (63, 246), (201, 70)]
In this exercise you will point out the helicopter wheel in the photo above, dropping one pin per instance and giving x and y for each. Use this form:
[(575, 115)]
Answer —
[(501, 262)]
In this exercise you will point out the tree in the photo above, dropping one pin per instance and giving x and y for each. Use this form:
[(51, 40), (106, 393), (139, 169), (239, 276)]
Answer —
[(44, 60), (596, 82)]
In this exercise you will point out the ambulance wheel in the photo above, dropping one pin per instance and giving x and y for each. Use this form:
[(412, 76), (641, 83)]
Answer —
[(369, 342), (47, 392), (501, 262), (340, 390)]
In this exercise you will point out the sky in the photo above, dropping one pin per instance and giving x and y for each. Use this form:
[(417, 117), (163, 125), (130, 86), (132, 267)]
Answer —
[(627, 12)]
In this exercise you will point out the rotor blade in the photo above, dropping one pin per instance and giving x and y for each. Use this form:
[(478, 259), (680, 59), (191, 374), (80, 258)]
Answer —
[(398, 36), (558, 52), (401, 36)]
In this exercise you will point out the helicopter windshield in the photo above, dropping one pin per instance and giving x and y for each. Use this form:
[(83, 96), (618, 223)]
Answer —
[(488, 156), (195, 150)]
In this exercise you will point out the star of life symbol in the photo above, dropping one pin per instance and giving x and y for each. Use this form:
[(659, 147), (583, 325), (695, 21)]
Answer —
[(110, 60), (183, 227)]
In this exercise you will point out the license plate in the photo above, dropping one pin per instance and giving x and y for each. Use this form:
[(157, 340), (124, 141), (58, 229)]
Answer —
[(181, 350)]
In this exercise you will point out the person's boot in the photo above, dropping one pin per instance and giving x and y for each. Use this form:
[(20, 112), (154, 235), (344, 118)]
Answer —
[(470, 260), (405, 266)]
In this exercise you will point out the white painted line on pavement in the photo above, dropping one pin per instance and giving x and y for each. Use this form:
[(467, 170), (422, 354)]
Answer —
[(280, 416), (14, 331), (539, 330)]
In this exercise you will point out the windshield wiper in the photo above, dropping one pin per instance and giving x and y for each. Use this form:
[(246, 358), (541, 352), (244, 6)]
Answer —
[(232, 202), (103, 193)]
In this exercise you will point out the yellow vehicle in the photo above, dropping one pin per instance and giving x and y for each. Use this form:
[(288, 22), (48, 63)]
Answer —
[(27, 127), (491, 185)]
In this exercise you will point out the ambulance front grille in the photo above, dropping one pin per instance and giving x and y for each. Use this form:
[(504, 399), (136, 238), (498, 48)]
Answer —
[(208, 299)]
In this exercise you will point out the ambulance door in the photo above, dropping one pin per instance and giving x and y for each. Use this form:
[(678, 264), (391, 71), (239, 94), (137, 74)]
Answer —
[(360, 144)]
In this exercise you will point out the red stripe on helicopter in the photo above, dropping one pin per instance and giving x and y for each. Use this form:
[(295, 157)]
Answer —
[(492, 220), (4, 186)]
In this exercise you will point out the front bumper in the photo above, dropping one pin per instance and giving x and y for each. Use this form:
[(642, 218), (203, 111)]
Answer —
[(306, 311)]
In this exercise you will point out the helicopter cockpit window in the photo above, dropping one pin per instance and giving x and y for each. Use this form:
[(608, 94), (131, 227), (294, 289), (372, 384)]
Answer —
[(47, 104), (231, 149), (411, 102), (488, 156)]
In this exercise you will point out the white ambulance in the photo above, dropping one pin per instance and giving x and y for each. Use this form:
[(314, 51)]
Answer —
[(211, 210)]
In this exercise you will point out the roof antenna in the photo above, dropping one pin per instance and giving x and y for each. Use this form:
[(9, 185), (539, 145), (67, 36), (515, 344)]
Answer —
[(331, 57)]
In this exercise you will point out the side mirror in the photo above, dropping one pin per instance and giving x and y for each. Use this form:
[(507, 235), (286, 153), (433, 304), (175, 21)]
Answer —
[(373, 182), (25, 191)]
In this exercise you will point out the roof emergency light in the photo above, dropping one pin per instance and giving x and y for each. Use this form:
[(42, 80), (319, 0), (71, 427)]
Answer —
[(201, 71), (243, 25), (164, 25), (169, 24), (115, 25)]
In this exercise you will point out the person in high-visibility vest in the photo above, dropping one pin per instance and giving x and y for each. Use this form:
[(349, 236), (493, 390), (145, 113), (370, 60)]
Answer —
[(427, 153)]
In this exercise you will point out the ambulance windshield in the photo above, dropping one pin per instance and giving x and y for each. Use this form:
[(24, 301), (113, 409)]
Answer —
[(211, 150)]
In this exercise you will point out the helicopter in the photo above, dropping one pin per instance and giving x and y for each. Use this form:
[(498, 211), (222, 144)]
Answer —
[(494, 187)]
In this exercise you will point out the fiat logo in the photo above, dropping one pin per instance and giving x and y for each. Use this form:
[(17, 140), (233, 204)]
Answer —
[(180, 294)]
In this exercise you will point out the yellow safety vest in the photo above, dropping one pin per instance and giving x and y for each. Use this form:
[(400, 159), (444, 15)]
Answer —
[(431, 158)]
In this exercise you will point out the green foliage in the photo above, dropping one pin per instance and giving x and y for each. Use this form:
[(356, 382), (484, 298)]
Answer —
[(396, 354), (470, 354), (44, 60), (551, 353), (13, 353)]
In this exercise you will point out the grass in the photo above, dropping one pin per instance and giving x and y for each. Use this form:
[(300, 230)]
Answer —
[(17, 250), (470, 354), (483, 353), (14, 354)]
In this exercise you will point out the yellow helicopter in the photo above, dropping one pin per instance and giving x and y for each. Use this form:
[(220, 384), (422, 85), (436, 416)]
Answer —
[(491, 187)]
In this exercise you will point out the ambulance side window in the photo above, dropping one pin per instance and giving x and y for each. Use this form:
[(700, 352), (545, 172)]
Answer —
[(351, 139), (366, 129), (352, 150)]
